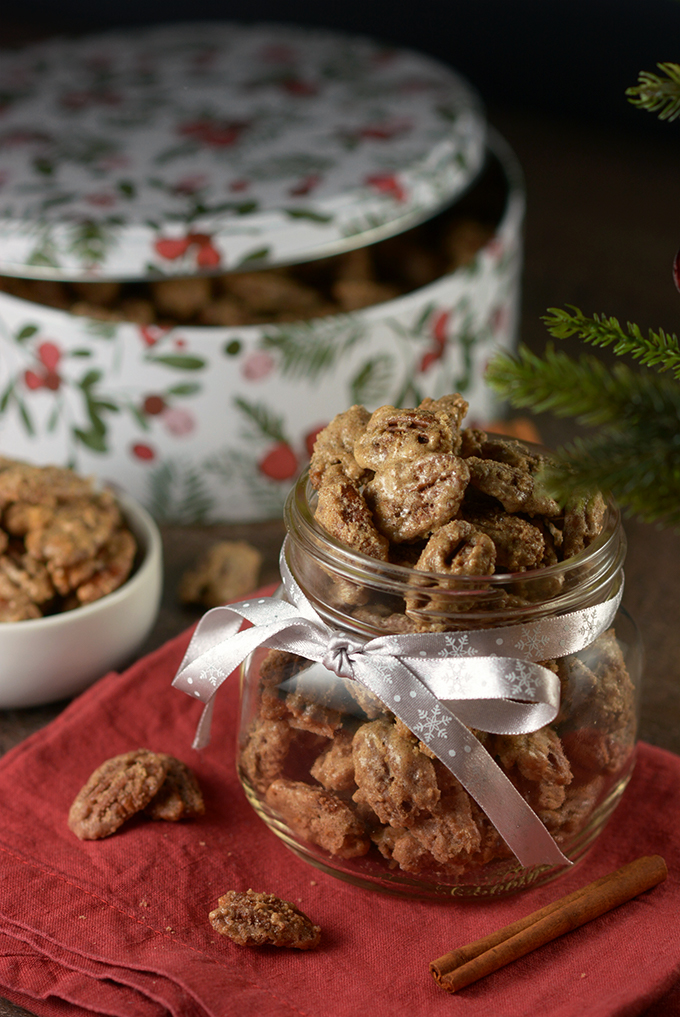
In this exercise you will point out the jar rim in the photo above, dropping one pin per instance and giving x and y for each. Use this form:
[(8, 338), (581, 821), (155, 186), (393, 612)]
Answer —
[(591, 575)]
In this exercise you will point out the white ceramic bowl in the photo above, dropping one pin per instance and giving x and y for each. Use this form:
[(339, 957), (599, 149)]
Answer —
[(46, 659)]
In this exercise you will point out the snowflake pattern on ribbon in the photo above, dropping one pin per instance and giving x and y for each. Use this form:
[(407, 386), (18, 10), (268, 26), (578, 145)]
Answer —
[(457, 646), (213, 675), (522, 679), (588, 628), (532, 643), (432, 723)]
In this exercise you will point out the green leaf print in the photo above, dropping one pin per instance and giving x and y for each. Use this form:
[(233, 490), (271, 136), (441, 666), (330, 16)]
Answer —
[(309, 349), (371, 383), (177, 493), (25, 333), (267, 425), (179, 361)]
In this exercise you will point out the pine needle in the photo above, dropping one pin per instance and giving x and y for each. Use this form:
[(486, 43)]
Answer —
[(660, 95)]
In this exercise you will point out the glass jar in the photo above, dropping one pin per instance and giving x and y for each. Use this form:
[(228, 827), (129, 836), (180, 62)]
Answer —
[(351, 789)]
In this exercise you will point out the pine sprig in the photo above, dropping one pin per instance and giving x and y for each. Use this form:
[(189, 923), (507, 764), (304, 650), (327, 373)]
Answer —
[(659, 349), (642, 474), (660, 95), (635, 454)]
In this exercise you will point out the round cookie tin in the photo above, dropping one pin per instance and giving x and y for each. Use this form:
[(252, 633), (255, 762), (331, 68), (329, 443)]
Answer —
[(274, 144), (118, 175)]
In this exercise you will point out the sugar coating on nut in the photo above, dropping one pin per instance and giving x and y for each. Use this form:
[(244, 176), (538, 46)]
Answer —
[(418, 491), (412, 498), (117, 789), (319, 816), (62, 542), (179, 796), (262, 919)]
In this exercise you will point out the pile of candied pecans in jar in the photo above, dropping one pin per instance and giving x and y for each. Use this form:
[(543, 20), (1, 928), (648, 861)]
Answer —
[(63, 544), (413, 487)]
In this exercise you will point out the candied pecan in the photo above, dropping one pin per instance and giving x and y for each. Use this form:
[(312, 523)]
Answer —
[(280, 665), (261, 919), (334, 768), (265, 752), (412, 498), (459, 549), (112, 566), (472, 442), (583, 521), (179, 796), (393, 776), (570, 816), (448, 832), (17, 607), (455, 407), (538, 756), (226, 311), (343, 511), (227, 570), (102, 292), (26, 574), (117, 789), (76, 530), (604, 720), (515, 487), (181, 298), (21, 516), (354, 294), (270, 292), (404, 849), (393, 434), (319, 816), (39, 485), (308, 714), (334, 446), (373, 617), (520, 544)]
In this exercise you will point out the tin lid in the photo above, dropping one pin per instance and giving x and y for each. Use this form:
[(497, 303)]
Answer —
[(212, 146)]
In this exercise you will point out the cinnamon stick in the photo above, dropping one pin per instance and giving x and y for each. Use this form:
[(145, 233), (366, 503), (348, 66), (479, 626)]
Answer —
[(469, 963)]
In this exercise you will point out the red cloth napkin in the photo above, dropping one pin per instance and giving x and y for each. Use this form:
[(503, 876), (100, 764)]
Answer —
[(119, 926)]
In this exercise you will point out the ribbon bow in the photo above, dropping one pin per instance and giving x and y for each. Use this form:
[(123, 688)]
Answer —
[(439, 684)]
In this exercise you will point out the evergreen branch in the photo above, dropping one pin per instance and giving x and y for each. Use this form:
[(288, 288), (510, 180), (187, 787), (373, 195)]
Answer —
[(660, 349), (586, 390), (657, 94), (643, 475)]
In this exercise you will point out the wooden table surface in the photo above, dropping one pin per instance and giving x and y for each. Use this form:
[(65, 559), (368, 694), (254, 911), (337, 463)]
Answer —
[(601, 232)]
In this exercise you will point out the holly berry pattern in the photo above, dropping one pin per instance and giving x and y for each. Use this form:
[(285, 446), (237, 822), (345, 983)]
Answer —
[(187, 148)]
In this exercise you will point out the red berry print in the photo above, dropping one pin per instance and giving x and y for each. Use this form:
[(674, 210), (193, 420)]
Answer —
[(171, 248), (280, 463), (676, 270), (32, 380), (49, 355), (387, 183), (208, 256), (153, 405), (144, 452)]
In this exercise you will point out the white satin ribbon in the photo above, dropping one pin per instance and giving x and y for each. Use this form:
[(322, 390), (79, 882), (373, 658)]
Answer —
[(439, 684)]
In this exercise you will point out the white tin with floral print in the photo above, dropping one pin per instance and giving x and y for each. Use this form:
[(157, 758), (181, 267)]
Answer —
[(214, 423), (276, 144)]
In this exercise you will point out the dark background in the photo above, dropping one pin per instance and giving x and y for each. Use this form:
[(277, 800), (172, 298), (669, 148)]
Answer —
[(572, 58)]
